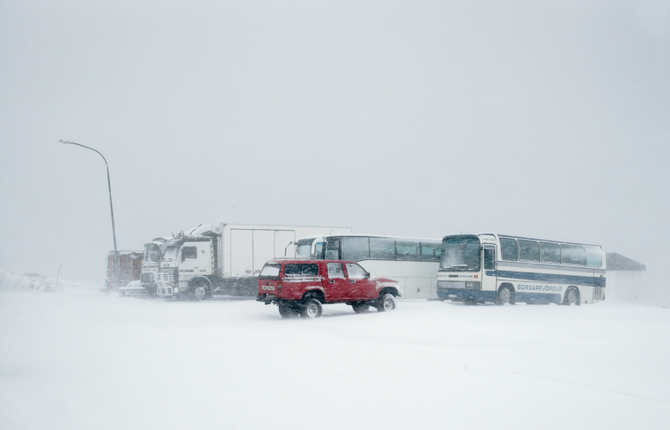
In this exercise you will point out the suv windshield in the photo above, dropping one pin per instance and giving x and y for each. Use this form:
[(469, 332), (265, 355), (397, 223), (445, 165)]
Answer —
[(460, 254)]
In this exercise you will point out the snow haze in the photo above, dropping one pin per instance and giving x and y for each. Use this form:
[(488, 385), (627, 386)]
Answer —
[(421, 119), (539, 119), (79, 359)]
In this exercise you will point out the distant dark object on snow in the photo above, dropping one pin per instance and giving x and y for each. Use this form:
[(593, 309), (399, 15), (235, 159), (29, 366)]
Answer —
[(619, 262)]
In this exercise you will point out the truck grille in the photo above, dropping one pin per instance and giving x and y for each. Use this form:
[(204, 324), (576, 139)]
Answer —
[(164, 277)]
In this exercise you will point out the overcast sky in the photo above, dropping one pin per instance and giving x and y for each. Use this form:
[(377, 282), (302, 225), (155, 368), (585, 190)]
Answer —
[(541, 119)]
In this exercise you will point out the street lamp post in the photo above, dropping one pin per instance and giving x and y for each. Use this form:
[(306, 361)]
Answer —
[(111, 206)]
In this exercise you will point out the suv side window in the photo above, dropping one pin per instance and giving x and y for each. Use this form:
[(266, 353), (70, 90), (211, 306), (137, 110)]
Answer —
[(356, 272), (335, 271), (300, 270)]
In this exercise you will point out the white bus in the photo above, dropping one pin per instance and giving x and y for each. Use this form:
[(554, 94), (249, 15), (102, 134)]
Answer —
[(412, 262), (507, 269)]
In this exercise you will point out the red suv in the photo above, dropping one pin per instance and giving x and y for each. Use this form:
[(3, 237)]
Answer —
[(301, 286)]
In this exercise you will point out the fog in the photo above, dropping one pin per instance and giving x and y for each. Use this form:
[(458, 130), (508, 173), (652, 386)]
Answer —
[(546, 120)]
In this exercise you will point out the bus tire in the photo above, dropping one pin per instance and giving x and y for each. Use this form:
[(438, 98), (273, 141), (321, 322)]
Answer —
[(571, 296), (505, 296), (311, 309)]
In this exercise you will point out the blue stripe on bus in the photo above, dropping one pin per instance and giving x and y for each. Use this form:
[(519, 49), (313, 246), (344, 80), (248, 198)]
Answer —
[(490, 296), (549, 277)]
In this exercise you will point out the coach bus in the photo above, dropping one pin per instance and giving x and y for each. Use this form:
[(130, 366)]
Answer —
[(508, 269), (412, 262)]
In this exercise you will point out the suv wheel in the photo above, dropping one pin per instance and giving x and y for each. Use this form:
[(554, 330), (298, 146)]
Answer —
[(311, 309), (360, 308), (287, 311), (386, 303)]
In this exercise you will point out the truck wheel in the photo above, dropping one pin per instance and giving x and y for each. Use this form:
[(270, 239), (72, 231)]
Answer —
[(287, 311), (311, 309), (360, 308), (200, 291), (386, 303)]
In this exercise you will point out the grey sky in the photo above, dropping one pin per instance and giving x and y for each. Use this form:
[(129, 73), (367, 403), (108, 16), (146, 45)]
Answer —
[(546, 120)]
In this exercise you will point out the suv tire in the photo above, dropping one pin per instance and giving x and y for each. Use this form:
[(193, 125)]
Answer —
[(386, 303), (311, 309)]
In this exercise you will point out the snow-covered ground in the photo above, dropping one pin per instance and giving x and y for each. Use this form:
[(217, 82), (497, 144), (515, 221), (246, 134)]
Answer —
[(82, 359)]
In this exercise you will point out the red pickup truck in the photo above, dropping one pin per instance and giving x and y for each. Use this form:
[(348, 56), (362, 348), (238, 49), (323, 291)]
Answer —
[(302, 286)]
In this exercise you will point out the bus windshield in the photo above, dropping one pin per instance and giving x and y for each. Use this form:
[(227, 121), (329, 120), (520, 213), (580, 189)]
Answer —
[(460, 254)]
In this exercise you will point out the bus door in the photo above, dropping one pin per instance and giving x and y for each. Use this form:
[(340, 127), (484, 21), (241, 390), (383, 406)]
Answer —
[(489, 274)]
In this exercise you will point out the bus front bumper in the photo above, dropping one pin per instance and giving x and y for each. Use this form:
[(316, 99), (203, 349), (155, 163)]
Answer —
[(459, 295)]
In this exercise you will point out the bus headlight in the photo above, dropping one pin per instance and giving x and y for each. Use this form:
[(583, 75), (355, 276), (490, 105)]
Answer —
[(473, 285), (460, 285)]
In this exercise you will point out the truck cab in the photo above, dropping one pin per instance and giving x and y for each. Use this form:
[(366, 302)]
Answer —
[(301, 286), (153, 254), (186, 267)]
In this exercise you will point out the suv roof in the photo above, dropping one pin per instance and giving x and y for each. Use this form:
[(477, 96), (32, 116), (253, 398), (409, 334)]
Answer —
[(306, 260)]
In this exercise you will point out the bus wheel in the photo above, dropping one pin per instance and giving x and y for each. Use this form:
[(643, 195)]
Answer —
[(571, 297), (311, 309), (505, 296)]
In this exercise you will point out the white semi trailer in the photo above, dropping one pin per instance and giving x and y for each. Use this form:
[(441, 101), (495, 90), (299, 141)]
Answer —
[(225, 259)]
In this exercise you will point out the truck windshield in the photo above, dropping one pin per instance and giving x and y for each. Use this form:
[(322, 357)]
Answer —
[(270, 271), (460, 254), (304, 248), (171, 253), (152, 253)]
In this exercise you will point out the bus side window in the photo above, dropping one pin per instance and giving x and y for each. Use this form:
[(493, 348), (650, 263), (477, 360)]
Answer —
[(489, 258), (508, 249), (332, 250)]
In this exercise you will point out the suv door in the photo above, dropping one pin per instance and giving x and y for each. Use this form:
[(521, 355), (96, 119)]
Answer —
[(361, 287), (337, 286)]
